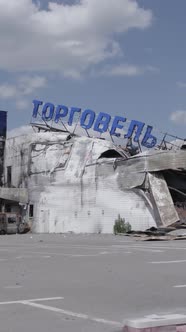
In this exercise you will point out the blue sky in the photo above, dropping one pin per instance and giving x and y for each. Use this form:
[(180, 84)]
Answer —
[(128, 62)]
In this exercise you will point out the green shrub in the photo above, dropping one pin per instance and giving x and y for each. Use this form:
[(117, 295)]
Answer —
[(121, 226)]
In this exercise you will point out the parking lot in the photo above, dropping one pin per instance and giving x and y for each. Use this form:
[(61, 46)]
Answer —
[(87, 282)]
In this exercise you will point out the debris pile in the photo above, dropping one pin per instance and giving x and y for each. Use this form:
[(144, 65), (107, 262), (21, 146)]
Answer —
[(174, 232)]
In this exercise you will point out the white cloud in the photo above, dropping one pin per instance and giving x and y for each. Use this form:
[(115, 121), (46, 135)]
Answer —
[(152, 69), (27, 84), (65, 38), (19, 131), (24, 86), (22, 104), (7, 91), (178, 117), (181, 84), (124, 70)]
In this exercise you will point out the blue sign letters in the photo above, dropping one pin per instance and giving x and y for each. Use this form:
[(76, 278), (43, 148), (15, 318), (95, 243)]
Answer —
[(101, 122)]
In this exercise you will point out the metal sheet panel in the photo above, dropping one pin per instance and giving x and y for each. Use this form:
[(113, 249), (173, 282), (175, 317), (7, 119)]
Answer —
[(163, 202), (125, 180), (155, 162)]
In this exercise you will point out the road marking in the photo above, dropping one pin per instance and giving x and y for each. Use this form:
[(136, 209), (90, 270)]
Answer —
[(168, 262), (150, 248), (137, 248), (147, 250), (72, 314), (46, 256), (32, 300), (179, 286), (164, 247), (160, 247), (122, 245), (3, 259), (13, 286), (25, 256), (71, 255), (2, 249)]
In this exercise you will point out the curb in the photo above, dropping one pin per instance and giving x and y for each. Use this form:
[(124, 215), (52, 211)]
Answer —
[(157, 323)]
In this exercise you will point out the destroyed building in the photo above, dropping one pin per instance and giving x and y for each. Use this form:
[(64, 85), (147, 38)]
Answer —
[(59, 182)]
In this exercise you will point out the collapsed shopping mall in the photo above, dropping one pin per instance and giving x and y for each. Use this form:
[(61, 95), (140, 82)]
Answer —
[(60, 180)]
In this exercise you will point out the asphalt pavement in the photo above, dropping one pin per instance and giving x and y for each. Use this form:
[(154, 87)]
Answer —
[(78, 283)]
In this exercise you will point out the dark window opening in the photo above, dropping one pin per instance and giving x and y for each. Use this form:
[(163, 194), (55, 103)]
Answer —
[(9, 176), (111, 154), (176, 182), (31, 211), (11, 220), (178, 197), (7, 208), (2, 218)]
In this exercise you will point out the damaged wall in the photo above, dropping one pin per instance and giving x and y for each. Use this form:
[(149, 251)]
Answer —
[(76, 185)]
